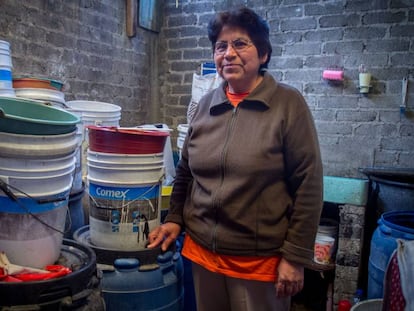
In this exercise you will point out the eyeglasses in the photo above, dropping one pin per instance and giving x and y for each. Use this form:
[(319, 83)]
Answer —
[(239, 45)]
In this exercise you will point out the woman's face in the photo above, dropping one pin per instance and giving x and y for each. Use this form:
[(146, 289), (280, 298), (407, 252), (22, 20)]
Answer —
[(237, 59)]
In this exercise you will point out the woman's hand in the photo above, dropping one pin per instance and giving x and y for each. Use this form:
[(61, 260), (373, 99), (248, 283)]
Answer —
[(164, 234), (290, 278)]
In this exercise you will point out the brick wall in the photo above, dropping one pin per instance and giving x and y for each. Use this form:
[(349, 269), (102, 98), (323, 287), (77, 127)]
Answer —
[(84, 44), (308, 37)]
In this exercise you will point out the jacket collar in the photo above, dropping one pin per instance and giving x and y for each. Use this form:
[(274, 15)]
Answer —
[(258, 99)]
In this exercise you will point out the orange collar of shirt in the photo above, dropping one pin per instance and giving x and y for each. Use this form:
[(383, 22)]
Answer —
[(235, 98)]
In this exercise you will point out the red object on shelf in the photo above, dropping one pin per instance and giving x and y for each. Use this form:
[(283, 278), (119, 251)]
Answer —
[(344, 305), (126, 141)]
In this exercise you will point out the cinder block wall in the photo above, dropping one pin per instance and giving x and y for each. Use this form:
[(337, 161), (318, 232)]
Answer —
[(84, 44), (308, 37)]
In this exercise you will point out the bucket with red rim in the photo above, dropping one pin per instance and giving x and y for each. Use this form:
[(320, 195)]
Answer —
[(126, 140), (125, 174)]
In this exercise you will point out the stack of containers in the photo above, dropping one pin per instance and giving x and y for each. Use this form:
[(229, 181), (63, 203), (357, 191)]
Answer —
[(37, 161), (125, 174), (42, 89), (6, 86), (90, 113)]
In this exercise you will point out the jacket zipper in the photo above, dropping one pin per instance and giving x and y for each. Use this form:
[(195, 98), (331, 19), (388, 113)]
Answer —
[(223, 171)]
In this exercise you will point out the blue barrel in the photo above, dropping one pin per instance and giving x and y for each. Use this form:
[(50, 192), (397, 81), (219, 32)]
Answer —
[(75, 219), (391, 226), (158, 286)]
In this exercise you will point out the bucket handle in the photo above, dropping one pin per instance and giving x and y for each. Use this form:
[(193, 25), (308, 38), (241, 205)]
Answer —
[(5, 188)]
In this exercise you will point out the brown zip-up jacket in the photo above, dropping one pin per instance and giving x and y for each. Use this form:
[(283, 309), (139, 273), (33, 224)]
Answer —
[(249, 182)]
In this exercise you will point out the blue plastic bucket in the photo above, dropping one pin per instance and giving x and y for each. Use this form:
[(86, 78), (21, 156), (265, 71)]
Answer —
[(75, 219), (391, 226), (157, 286)]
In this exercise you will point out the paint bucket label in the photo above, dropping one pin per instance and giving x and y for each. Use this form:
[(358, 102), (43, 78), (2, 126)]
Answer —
[(122, 217)]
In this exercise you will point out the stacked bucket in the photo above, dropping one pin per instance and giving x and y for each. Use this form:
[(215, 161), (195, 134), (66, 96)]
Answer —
[(6, 84), (37, 148), (125, 173)]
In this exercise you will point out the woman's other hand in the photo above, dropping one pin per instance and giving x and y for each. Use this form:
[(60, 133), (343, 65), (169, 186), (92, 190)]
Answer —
[(290, 278), (164, 234)]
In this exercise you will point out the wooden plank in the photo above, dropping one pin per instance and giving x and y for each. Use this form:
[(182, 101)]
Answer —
[(131, 17)]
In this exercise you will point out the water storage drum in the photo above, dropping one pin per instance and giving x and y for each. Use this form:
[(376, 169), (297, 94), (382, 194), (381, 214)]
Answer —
[(391, 226), (146, 279), (158, 286), (392, 188), (79, 290)]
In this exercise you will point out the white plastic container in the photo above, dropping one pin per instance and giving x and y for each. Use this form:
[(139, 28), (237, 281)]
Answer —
[(54, 97), (38, 177), (368, 305), (6, 66), (31, 234), (323, 249), (37, 146), (125, 198), (91, 113)]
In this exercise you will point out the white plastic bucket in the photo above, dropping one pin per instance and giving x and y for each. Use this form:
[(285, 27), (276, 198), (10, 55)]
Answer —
[(38, 177), (125, 199), (91, 113), (182, 134), (31, 233), (6, 81), (323, 249), (111, 160), (37, 146), (327, 230), (368, 305), (53, 97), (95, 113)]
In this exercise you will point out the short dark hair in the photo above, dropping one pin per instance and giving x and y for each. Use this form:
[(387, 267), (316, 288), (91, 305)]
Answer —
[(244, 18)]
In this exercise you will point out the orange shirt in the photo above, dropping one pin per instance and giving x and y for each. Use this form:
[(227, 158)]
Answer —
[(257, 268), (241, 267), (235, 98)]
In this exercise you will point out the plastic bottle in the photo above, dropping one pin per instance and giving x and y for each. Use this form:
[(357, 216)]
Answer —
[(358, 296)]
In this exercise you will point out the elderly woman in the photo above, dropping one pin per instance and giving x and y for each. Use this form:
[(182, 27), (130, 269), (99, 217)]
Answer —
[(248, 188)]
